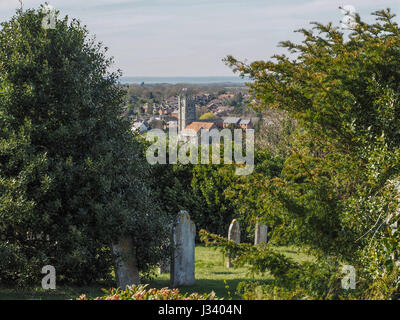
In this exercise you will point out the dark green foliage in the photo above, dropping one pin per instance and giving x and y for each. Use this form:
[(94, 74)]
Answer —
[(72, 177), (304, 280), (214, 195), (338, 193), (199, 189)]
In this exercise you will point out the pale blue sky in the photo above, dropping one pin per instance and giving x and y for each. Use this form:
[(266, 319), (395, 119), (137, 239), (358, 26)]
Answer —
[(190, 37)]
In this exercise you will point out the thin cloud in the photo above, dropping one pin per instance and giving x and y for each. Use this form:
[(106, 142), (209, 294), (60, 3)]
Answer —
[(190, 37)]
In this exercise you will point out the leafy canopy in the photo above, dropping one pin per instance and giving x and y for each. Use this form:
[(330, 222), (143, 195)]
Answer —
[(72, 177)]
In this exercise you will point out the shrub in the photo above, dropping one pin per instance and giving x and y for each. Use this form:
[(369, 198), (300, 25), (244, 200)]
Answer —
[(72, 175), (141, 292), (339, 189)]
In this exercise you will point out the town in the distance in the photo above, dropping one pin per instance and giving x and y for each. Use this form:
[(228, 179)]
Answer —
[(189, 107)]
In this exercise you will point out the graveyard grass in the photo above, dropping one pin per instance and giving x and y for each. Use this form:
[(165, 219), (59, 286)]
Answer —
[(211, 275)]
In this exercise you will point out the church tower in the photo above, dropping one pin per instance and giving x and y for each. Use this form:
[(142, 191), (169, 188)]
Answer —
[(186, 110)]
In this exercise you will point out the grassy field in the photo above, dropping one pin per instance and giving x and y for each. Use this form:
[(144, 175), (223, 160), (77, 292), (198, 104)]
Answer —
[(211, 271), (211, 275)]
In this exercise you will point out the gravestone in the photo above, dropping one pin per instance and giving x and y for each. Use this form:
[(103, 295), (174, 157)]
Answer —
[(261, 233), (234, 235), (126, 270), (182, 260), (165, 267)]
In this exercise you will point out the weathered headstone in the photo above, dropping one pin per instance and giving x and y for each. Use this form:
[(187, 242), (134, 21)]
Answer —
[(261, 233), (165, 267), (126, 270), (234, 235), (182, 260)]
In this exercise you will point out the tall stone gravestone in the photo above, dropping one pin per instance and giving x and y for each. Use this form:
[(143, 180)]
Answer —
[(182, 260), (261, 233), (234, 235), (126, 270)]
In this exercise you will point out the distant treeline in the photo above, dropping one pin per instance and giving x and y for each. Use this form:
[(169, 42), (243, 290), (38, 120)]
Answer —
[(139, 94)]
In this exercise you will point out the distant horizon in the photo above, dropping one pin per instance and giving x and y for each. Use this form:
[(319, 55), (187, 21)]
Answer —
[(178, 76), (183, 79)]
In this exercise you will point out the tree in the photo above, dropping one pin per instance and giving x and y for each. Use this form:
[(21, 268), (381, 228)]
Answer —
[(205, 190), (208, 116), (72, 175), (237, 99), (338, 193)]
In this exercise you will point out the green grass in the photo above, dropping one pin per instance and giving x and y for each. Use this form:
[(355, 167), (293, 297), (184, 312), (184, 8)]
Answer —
[(61, 293), (211, 274)]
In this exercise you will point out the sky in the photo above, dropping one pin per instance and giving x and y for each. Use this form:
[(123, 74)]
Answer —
[(170, 38)]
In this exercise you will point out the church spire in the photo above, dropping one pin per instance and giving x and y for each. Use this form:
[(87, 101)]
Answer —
[(186, 110)]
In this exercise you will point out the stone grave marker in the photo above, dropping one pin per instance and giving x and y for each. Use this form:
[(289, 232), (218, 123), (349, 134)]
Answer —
[(126, 270), (183, 256), (234, 235), (261, 233)]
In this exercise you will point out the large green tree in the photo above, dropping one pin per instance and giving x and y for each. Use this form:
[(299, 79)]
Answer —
[(72, 175), (338, 193)]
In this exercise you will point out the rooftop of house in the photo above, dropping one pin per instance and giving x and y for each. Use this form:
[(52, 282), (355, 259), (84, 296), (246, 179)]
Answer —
[(140, 126), (245, 121), (197, 126), (225, 108), (226, 96), (232, 120)]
